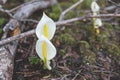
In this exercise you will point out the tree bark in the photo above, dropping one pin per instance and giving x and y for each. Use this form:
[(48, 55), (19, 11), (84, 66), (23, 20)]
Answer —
[(7, 52)]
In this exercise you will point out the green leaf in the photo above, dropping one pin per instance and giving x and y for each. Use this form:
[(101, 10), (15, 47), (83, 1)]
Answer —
[(2, 20), (34, 60)]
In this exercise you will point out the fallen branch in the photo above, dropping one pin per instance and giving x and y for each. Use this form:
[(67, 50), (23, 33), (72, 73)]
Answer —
[(19, 36)]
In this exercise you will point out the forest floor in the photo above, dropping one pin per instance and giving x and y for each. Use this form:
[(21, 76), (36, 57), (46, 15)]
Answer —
[(75, 60), (81, 53)]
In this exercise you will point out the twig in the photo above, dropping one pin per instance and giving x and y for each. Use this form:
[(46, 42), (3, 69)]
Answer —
[(29, 20), (68, 9), (114, 3), (64, 77), (19, 36), (6, 11), (104, 15), (76, 19), (77, 75), (16, 8), (111, 7)]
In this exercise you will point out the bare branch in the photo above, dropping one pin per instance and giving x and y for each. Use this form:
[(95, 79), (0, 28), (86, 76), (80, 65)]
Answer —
[(68, 9), (17, 37), (6, 11)]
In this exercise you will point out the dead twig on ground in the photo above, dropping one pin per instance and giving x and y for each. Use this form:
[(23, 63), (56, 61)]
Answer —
[(77, 75)]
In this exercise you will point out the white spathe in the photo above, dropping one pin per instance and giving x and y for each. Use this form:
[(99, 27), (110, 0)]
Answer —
[(98, 22), (50, 49), (46, 22), (95, 7)]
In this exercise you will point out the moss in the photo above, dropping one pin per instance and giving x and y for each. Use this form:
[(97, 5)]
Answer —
[(2, 20), (62, 52), (86, 4), (113, 49), (74, 1), (70, 15), (109, 26), (64, 6), (86, 44), (55, 12), (86, 53), (34, 60), (66, 39), (89, 57)]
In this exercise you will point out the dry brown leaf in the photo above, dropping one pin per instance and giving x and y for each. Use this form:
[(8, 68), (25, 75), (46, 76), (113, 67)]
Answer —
[(15, 32), (57, 42)]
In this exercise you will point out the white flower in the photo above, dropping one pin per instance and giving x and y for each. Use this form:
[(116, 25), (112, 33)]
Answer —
[(45, 31), (95, 7), (46, 27), (45, 50), (98, 22)]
